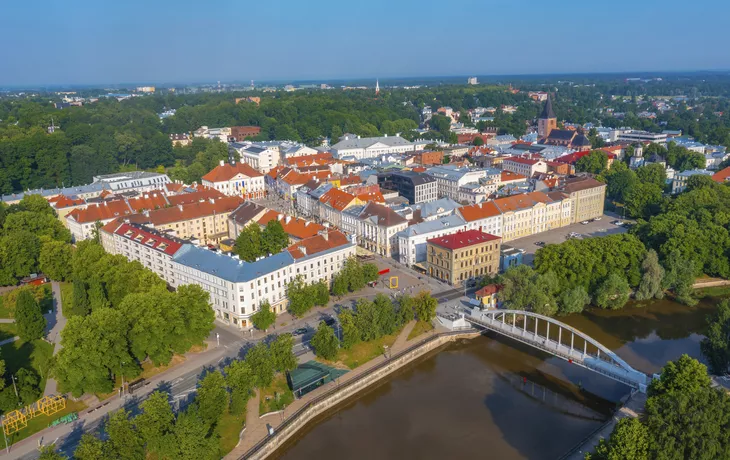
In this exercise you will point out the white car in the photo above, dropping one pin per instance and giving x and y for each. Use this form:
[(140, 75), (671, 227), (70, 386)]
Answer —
[(597, 218), (585, 222)]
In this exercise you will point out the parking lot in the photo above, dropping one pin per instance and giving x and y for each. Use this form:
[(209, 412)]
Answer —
[(601, 227)]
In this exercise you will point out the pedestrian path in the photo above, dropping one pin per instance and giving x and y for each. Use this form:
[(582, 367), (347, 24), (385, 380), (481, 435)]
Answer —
[(10, 340), (257, 429)]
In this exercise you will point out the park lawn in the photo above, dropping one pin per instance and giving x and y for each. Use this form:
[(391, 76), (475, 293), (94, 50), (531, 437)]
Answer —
[(67, 298), (421, 327), (41, 422), (362, 352), (8, 330), (715, 291), (20, 354), (229, 429), (278, 387)]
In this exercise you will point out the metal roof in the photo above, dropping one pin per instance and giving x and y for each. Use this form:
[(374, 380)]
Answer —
[(228, 268)]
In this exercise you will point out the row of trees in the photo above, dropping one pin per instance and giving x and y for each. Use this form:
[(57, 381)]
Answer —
[(253, 242), (371, 320), (354, 276), (685, 418), (194, 432)]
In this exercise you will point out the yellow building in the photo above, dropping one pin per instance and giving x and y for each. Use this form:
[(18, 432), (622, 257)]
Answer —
[(463, 256)]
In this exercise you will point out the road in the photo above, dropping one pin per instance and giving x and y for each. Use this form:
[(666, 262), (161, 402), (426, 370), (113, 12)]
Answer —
[(225, 344)]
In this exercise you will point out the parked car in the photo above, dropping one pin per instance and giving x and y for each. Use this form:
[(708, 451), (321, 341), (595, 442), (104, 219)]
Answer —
[(585, 222), (330, 321), (540, 243), (597, 219), (300, 331), (618, 222)]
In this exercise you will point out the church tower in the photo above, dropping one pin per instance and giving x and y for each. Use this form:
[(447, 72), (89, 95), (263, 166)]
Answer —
[(547, 121), (377, 87)]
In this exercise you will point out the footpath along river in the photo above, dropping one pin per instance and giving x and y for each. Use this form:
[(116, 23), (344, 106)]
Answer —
[(495, 398)]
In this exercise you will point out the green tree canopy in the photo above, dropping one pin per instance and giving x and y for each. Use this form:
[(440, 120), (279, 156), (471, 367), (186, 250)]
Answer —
[(325, 342)]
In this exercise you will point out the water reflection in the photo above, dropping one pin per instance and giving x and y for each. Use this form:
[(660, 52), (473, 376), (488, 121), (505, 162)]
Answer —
[(471, 399)]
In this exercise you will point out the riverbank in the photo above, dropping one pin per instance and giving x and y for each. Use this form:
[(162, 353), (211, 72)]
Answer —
[(257, 444)]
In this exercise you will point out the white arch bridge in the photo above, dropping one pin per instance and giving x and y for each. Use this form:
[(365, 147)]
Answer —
[(561, 342)]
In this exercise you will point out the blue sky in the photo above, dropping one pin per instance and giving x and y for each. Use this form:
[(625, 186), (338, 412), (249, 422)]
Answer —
[(156, 41)]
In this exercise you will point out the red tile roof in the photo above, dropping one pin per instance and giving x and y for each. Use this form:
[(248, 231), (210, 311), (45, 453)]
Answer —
[(229, 171), (62, 201), (148, 201), (371, 196), (308, 160), (463, 239), (318, 243), (509, 176), (524, 161), (153, 240), (488, 290), (479, 211), (100, 212), (202, 194), (337, 199), (190, 211), (295, 227), (722, 175)]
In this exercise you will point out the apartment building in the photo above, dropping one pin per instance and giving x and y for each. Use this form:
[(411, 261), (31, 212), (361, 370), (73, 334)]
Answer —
[(412, 240), (587, 197), (242, 216), (463, 256), (139, 181), (485, 217), (332, 203), (450, 179), (83, 222), (524, 166), (262, 158), (415, 187), (236, 179), (206, 221), (377, 228), (351, 145)]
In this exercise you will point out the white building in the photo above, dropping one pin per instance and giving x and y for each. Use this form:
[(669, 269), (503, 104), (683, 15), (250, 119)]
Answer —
[(679, 182), (236, 179), (632, 135), (525, 166), (412, 240), (369, 147), (139, 181), (377, 229), (260, 157), (450, 179)]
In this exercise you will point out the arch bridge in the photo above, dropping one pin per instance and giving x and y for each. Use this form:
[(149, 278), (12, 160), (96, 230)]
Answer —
[(560, 342)]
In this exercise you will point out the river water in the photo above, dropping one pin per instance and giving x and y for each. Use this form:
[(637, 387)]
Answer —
[(495, 398)]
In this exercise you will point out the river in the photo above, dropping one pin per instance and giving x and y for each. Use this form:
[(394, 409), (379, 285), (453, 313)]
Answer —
[(495, 398)]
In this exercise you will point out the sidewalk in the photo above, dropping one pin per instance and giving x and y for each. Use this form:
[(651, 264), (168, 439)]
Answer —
[(256, 427), (56, 322)]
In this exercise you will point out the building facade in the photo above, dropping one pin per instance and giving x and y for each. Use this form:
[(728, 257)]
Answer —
[(463, 256), (236, 179), (415, 187), (412, 240)]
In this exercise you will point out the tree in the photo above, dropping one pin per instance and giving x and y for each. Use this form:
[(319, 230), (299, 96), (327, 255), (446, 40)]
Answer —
[(478, 141), (90, 448), (97, 295), (629, 441), (385, 316), (28, 317), (264, 318), (573, 300), (350, 332), (684, 376), (124, 442), (49, 453), (405, 309), (19, 253), (240, 380), (525, 289), (155, 424), (212, 398), (339, 285), (680, 277), (643, 200), (716, 344), (55, 260), (353, 273), (262, 365), (321, 293), (196, 315), (300, 298), (249, 244), (325, 342), (273, 238), (28, 384), (613, 293), (370, 272), (425, 306), (699, 181), (80, 305), (282, 353), (653, 173), (594, 163), (650, 286), (192, 440)]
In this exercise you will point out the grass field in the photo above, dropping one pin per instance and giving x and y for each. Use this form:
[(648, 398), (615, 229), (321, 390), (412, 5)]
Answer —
[(716, 291), (363, 352), (20, 354), (229, 430), (421, 327), (67, 297), (278, 394), (41, 422)]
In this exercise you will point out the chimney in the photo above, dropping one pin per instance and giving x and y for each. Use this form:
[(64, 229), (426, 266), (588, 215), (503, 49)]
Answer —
[(222, 162), (288, 219), (306, 224), (303, 249), (324, 234), (212, 200), (146, 212), (146, 196), (279, 216), (180, 207)]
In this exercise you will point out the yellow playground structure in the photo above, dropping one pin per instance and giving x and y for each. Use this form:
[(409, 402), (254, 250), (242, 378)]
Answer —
[(393, 282), (18, 419)]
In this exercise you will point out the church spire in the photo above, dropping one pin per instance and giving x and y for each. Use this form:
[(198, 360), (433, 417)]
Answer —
[(377, 87), (547, 111)]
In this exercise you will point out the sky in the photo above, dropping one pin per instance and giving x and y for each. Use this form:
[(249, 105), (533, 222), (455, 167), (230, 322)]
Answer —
[(87, 42)]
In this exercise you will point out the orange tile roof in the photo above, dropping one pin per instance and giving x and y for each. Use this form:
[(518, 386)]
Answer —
[(229, 171), (371, 196), (62, 201), (202, 194), (148, 201), (173, 187), (295, 227), (337, 199), (521, 201), (295, 178), (190, 211), (350, 180), (100, 212), (274, 172), (509, 176), (418, 169), (479, 211), (308, 160), (722, 175), (318, 243)]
